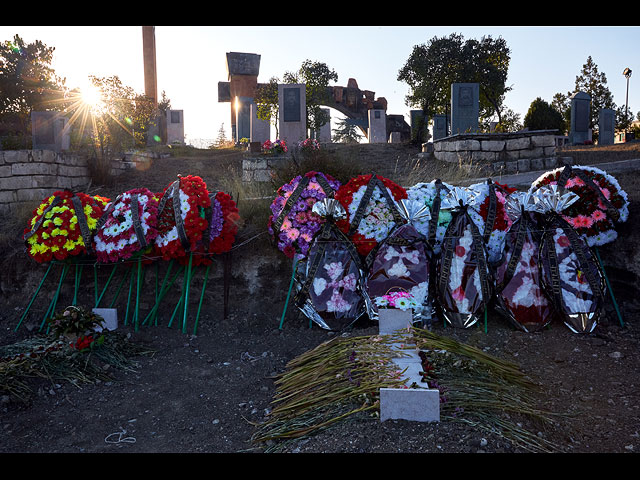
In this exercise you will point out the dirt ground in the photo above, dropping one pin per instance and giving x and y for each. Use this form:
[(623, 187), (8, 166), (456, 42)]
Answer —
[(205, 393)]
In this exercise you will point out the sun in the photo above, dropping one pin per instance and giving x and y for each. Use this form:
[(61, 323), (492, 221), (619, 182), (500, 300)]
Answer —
[(93, 98)]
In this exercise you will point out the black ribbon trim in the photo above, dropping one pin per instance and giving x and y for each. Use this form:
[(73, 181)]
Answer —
[(435, 213), (182, 234), (568, 171), (82, 222), (364, 202), (105, 215), (491, 212), (135, 217), (302, 184), (54, 203), (481, 259), (521, 233), (323, 239), (579, 248)]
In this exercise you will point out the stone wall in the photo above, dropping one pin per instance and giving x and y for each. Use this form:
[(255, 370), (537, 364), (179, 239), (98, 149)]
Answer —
[(258, 168), (500, 152), (32, 175)]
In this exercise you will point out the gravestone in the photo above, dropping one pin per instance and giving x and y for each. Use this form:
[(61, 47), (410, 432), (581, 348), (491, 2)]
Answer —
[(465, 107), (260, 129), (324, 134), (175, 126), (418, 121), (606, 126), (377, 126), (580, 114), (439, 126), (292, 102), (50, 131), (243, 118)]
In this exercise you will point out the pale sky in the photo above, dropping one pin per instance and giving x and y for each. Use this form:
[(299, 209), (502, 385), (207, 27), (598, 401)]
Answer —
[(191, 59)]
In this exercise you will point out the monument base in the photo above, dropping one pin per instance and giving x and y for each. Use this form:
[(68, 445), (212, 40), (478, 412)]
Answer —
[(418, 402)]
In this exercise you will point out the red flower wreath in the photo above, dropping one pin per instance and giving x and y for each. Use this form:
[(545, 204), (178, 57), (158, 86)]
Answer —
[(223, 226), (194, 199), (365, 242)]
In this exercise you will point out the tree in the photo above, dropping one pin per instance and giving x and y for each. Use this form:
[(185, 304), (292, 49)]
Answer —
[(591, 81), (542, 116), (346, 132), (316, 77), (27, 80), (433, 67), (124, 118)]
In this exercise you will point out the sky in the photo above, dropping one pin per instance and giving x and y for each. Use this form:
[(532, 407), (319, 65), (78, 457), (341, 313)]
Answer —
[(191, 60)]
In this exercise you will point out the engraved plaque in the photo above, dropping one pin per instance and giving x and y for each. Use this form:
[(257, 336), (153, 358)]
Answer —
[(439, 123), (582, 116), (608, 122), (465, 97), (175, 117), (291, 104), (376, 114), (43, 132)]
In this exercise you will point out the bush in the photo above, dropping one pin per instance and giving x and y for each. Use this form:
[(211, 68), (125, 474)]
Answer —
[(542, 116)]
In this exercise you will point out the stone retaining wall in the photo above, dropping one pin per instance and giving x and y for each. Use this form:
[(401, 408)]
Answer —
[(501, 152), (32, 175), (258, 168)]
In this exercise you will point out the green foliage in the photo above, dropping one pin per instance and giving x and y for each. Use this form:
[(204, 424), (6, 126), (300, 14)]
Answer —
[(28, 82), (74, 321), (345, 133), (433, 67), (267, 102), (542, 116), (124, 120)]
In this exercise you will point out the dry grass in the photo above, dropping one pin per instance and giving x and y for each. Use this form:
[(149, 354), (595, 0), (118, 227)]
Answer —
[(593, 154)]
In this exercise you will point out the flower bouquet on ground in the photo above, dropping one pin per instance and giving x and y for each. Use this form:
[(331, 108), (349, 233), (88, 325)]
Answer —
[(77, 326), (275, 148), (330, 282), (222, 219), (519, 293), (399, 273), (128, 226), (490, 214), (63, 225), (181, 218), (431, 195), (463, 284), (370, 204), (570, 276), (292, 223), (601, 202)]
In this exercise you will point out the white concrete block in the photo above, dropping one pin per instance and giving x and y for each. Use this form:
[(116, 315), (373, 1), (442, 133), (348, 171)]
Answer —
[(409, 404), (110, 316), (392, 319)]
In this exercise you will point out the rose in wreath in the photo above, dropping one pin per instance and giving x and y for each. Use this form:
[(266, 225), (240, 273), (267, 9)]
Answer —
[(299, 224), (377, 220), (179, 234), (55, 231)]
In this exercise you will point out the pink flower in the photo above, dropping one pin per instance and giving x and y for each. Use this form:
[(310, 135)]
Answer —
[(598, 215), (582, 221), (293, 233)]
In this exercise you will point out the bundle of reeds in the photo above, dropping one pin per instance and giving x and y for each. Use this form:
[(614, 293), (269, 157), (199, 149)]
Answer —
[(343, 377)]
